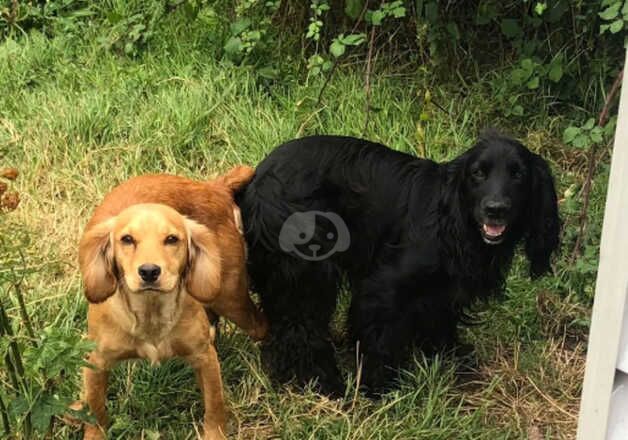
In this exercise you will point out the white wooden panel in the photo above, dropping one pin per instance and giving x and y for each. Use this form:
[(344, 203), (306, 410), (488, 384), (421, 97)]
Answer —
[(610, 290)]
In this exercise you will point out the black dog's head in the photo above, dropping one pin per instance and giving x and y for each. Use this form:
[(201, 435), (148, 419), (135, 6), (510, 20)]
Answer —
[(506, 192)]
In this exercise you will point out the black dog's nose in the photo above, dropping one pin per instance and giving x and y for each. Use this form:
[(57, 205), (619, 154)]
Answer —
[(149, 272), (497, 208)]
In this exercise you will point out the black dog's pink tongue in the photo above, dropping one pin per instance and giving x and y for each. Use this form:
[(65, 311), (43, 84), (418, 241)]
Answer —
[(493, 230)]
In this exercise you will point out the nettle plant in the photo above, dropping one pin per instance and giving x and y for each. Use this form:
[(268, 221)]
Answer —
[(34, 390), (589, 134), (615, 16)]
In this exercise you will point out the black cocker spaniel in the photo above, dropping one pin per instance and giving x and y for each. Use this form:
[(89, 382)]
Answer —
[(415, 241)]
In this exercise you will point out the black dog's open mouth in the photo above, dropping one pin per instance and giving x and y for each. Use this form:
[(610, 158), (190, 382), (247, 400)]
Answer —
[(493, 233)]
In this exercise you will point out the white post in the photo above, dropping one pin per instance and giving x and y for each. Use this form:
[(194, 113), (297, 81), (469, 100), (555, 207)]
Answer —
[(610, 290)]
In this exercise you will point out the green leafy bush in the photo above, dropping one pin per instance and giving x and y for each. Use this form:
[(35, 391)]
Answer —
[(561, 52), (33, 380)]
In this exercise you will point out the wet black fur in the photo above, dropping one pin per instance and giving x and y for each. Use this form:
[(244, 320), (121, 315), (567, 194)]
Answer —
[(416, 258)]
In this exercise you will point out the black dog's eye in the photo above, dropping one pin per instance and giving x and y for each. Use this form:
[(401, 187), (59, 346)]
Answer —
[(171, 239), (478, 174), (517, 174), (127, 239)]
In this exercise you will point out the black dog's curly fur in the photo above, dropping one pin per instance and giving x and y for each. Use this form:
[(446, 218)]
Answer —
[(418, 254)]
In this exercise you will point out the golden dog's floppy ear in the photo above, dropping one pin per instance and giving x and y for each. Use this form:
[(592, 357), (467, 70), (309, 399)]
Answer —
[(204, 263), (96, 262)]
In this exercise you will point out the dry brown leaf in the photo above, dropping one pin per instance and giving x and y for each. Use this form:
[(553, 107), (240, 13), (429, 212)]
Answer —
[(9, 201), (9, 173)]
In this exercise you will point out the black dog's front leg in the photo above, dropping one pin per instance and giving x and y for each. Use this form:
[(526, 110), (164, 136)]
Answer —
[(382, 330), (299, 345), (300, 349), (398, 306)]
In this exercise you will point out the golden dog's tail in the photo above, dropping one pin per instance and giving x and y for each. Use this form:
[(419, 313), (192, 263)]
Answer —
[(236, 178)]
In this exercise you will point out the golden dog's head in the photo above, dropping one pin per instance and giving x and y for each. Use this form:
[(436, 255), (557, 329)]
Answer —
[(149, 249)]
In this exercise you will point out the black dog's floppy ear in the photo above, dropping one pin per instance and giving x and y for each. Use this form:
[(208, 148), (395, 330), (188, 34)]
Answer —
[(543, 223), (451, 199)]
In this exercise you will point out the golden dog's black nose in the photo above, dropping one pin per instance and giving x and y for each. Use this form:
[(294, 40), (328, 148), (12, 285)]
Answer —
[(149, 272)]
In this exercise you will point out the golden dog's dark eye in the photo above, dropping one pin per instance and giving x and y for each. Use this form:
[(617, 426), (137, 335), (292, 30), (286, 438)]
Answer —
[(127, 239), (171, 239)]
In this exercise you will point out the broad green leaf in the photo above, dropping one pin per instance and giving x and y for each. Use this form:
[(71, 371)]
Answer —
[(315, 60), (377, 17), (519, 76), (570, 134), (533, 83), (233, 45), (611, 12), (239, 26), (556, 72), (589, 124), (581, 141), (254, 35), (528, 65), (399, 12), (44, 408), (596, 135), (353, 8), (609, 128), (313, 31), (353, 39), (617, 26), (337, 49)]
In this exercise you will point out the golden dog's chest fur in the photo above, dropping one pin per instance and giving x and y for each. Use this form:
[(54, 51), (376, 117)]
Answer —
[(152, 326), (149, 319)]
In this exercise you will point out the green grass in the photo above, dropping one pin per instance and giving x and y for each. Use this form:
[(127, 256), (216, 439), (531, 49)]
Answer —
[(76, 120)]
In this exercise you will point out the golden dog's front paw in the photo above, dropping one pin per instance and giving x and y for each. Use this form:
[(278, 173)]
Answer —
[(215, 433), (93, 432)]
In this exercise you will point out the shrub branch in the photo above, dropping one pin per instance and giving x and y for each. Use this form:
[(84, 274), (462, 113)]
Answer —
[(591, 166)]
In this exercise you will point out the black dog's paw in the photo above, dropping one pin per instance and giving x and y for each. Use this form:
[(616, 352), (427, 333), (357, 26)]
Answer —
[(377, 378), (465, 357), (302, 361), (324, 379), (330, 385)]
